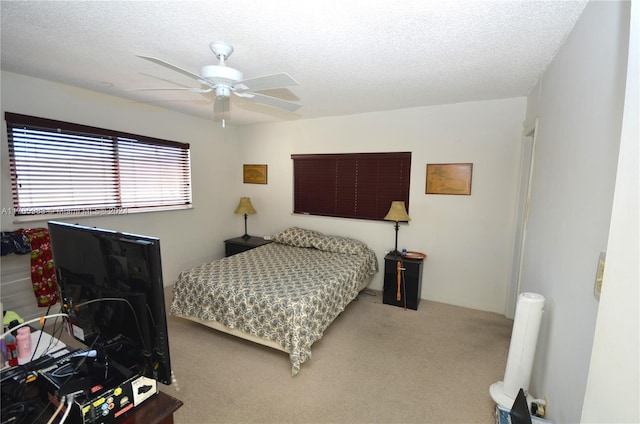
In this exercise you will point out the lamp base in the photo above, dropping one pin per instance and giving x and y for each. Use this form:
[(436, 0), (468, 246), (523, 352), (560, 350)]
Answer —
[(246, 236), (395, 250)]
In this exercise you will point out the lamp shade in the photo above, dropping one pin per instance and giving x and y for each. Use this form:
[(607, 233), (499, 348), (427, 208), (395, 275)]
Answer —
[(397, 212), (245, 207)]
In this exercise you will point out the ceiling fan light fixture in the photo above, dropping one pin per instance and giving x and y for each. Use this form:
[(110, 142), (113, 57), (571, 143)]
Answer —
[(223, 91), (225, 80), (218, 73)]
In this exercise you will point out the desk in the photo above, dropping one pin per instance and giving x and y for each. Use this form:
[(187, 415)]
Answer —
[(158, 409)]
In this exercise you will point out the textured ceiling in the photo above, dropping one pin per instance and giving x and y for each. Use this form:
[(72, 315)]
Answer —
[(350, 56)]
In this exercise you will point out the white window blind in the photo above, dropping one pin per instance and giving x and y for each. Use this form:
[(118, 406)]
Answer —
[(59, 167)]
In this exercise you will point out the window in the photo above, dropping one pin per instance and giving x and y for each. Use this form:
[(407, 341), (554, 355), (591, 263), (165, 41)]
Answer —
[(352, 185), (64, 168)]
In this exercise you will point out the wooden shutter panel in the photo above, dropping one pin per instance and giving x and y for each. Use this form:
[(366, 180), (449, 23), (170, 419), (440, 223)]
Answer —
[(351, 185)]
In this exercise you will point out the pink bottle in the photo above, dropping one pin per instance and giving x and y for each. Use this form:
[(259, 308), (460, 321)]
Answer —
[(23, 340)]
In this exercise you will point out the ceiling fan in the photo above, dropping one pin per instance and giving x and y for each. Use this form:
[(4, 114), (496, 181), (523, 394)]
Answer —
[(223, 80)]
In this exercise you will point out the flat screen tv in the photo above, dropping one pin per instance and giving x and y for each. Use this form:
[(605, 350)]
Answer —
[(111, 286)]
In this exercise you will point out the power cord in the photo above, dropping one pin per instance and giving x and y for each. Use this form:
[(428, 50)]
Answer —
[(65, 402), (55, 337), (66, 413), (46, 408), (41, 320), (18, 412), (57, 411), (133, 312)]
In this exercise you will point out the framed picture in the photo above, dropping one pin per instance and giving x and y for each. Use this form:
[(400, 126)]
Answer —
[(254, 174), (449, 178)]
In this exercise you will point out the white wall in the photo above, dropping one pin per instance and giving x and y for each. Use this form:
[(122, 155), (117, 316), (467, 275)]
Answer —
[(468, 238), (613, 387), (579, 103), (188, 237)]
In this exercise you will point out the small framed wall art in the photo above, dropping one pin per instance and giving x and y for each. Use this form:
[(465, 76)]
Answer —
[(254, 174), (449, 178)]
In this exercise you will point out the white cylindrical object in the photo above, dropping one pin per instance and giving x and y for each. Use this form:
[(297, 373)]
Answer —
[(524, 338), (522, 349), (23, 340)]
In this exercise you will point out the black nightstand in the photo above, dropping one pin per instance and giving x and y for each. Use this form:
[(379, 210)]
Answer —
[(412, 287), (240, 244)]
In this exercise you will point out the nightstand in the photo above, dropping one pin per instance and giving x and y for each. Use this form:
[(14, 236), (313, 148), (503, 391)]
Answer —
[(412, 287), (240, 244)]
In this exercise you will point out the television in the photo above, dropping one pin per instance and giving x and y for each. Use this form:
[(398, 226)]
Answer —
[(112, 289)]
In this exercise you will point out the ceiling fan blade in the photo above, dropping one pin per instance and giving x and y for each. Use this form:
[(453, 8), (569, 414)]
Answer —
[(192, 90), (174, 68), (220, 108), (166, 81), (275, 102), (281, 93), (200, 102), (268, 82)]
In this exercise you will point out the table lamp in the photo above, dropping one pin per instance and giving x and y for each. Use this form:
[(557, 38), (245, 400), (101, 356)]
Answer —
[(397, 213), (245, 208)]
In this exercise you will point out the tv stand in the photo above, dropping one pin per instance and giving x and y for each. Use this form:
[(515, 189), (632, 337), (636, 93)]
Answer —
[(158, 409), (103, 390)]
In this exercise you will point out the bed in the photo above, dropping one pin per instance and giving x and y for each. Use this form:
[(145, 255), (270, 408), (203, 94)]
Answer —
[(284, 294)]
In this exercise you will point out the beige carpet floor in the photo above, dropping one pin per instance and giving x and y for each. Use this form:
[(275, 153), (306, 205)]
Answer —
[(375, 364)]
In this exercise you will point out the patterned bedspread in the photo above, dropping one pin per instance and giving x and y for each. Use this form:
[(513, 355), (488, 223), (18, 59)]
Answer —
[(277, 292)]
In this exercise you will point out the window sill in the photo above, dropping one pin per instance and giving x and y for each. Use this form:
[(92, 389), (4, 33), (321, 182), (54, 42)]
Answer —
[(91, 214)]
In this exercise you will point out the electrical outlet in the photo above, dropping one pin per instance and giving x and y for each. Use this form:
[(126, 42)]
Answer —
[(597, 289), (539, 407)]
